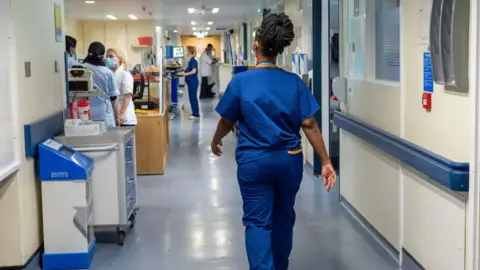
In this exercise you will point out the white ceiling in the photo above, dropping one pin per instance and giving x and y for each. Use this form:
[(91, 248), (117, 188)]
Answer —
[(171, 13)]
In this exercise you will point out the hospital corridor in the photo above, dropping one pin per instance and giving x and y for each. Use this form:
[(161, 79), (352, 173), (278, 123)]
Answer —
[(240, 134)]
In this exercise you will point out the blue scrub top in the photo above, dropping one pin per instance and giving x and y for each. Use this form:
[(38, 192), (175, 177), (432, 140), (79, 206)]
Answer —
[(101, 107), (270, 105), (192, 63)]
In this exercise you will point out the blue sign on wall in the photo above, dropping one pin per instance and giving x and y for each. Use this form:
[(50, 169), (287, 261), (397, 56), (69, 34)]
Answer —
[(427, 73)]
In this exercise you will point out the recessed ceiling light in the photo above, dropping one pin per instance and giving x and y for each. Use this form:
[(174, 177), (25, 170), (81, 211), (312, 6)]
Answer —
[(89, 2), (175, 31), (194, 23), (208, 28), (191, 10), (206, 33), (194, 28), (111, 17), (215, 10), (210, 23), (133, 17)]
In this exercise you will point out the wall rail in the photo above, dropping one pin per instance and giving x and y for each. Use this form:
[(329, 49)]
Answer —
[(451, 174)]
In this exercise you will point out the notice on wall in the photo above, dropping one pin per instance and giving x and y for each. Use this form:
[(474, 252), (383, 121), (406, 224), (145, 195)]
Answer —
[(424, 17), (427, 73), (58, 23)]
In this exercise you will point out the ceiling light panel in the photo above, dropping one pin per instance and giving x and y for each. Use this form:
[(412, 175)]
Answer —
[(215, 10), (89, 2), (210, 23), (111, 17), (133, 17), (191, 10)]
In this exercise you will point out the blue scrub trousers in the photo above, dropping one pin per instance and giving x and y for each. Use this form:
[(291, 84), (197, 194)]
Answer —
[(269, 186), (192, 95)]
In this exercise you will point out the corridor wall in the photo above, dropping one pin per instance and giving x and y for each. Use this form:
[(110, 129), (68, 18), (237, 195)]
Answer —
[(411, 212), (39, 95), (113, 34)]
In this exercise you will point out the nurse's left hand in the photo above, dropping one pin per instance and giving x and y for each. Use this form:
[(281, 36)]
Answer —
[(216, 148)]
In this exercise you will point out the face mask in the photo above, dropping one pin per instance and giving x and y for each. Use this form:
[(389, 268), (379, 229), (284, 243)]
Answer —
[(111, 63)]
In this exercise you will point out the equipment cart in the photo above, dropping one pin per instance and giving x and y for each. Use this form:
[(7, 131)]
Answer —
[(114, 178)]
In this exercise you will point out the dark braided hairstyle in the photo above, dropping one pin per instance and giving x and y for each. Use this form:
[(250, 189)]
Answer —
[(275, 34)]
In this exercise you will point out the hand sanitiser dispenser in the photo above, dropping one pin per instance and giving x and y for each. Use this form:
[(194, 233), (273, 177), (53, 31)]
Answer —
[(449, 38), (67, 206)]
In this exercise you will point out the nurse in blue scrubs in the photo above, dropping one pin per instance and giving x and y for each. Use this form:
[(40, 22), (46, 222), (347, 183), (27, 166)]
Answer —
[(271, 106), (104, 107)]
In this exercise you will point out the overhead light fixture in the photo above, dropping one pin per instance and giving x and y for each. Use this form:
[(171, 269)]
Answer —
[(111, 17), (89, 2), (133, 17), (194, 23), (259, 10), (210, 23), (191, 10), (175, 31), (208, 28), (206, 33), (215, 10)]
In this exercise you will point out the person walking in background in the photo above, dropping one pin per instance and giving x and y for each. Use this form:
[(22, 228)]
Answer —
[(191, 78), (206, 71), (271, 105)]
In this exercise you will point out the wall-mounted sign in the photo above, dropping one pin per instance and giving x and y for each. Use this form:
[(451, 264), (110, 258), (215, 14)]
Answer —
[(427, 73), (58, 23)]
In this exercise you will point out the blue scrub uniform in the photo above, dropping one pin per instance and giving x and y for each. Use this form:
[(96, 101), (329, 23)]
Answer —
[(101, 107), (192, 83), (269, 105)]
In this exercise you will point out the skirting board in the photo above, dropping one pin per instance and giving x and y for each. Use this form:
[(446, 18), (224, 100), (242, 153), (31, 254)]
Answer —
[(408, 262)]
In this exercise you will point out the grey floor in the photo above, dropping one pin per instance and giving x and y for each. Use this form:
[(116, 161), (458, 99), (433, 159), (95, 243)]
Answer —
[(190, 218)]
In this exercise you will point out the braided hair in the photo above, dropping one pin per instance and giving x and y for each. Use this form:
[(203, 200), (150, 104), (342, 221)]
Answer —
[(275, 34)]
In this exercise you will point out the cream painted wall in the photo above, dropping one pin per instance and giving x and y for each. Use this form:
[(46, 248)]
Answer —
[(408, 209), (435, 226), (21, 233), (117, 34), (371, 180), (74, 28)]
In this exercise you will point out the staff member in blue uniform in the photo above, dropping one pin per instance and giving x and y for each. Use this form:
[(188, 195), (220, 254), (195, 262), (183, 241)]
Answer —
[(191, 78), (104, 107), (71, 47), (271, 105)]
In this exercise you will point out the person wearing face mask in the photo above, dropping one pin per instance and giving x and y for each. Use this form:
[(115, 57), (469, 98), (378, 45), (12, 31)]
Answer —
[(116, 62), (271, 105), (104, 107), (191, 78), (71, 46)]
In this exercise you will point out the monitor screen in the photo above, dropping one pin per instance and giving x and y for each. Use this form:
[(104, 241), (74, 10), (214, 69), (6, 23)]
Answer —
[(178, 52)]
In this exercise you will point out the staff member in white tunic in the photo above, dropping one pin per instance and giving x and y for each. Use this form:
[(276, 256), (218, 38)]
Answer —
[(206, 71), (116, 62)]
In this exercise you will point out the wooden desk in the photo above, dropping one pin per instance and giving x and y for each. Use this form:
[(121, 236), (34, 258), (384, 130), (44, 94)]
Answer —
[(152, 138)]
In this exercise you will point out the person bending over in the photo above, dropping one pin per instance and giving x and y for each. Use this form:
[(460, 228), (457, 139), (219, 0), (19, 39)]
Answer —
[(271, 106)]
